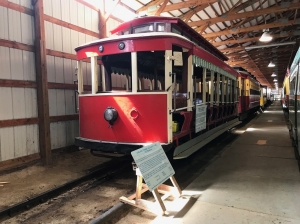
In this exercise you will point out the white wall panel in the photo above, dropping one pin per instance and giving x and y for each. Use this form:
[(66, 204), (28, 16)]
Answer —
[(53, 135), (6, 113), (59, 70), (16, 64), (50, 68), (52, 102), (3, 23), (80, 14), (29, 66), (61, 102), (72, 132), (61, 134), (27, 29), (48, 7), (65, 10), (87, 18), (4, 62), (110, 25), (88, 38), (27, 3), (95, 21), (7, 143), (66, 36), (30, 103), (70, 103), (18, 97), (49, 35), (57, 37), (74, 12), (56, 9), (20, 141), (32, 139), (74, 41), (81, 39), (15, 1), (14, 25), (68, 71)]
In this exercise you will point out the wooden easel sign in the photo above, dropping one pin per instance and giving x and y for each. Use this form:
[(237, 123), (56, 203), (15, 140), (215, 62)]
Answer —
[(155, 168)]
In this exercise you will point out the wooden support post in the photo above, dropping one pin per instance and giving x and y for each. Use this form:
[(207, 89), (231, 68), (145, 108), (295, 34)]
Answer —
[(102, 23), (161, 189), (42, 83), (204, 86), (79, 77), (94, 71)]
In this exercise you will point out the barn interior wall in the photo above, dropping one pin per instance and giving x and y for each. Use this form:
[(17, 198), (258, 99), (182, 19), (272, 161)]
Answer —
[(19, 132), (17, 102)]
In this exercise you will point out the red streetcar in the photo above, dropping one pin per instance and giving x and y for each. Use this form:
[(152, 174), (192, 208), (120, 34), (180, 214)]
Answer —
[(157, 80)]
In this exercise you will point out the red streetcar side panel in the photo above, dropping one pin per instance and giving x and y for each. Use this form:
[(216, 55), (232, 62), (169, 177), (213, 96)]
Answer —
[(141, 118)]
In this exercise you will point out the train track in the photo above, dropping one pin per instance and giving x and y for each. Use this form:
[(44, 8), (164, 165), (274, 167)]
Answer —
[(99, 174)]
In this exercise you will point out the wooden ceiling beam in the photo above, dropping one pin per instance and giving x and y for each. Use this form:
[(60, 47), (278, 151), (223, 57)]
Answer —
[(226, 17), (151, 3), (161, 8), (251, 39), (187, 4), (186, 16), (252, 28), (241, 6), (108, 14)]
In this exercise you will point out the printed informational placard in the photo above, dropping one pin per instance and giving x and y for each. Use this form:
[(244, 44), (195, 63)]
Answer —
[(200, 117), (153, 164)]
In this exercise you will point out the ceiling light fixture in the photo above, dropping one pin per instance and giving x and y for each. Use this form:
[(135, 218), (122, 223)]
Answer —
[(271, 64), (273, 74), (275, 80), (265, 37)]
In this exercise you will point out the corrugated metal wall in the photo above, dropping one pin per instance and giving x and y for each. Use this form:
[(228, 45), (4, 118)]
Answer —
[(69, 24), (62, 70), (17, 103)]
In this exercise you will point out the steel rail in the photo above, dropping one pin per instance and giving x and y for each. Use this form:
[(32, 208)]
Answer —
[(103, 173)]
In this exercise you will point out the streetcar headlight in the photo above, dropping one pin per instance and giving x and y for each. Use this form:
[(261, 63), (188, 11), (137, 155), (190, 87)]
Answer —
[(110, 115)]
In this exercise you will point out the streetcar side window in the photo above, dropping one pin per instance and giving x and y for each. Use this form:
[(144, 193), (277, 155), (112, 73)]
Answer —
[(151, 70), (144, 28)]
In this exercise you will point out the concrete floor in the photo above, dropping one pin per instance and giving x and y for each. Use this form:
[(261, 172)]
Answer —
[(255, 180)]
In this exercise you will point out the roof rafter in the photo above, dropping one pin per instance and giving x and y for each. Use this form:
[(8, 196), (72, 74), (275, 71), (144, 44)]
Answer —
[(190, 13), (187, 4), (252, 28), (227, 17)]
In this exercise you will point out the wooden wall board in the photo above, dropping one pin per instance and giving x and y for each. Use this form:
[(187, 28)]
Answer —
[(17, 83), (18, 122), (19, 162)]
